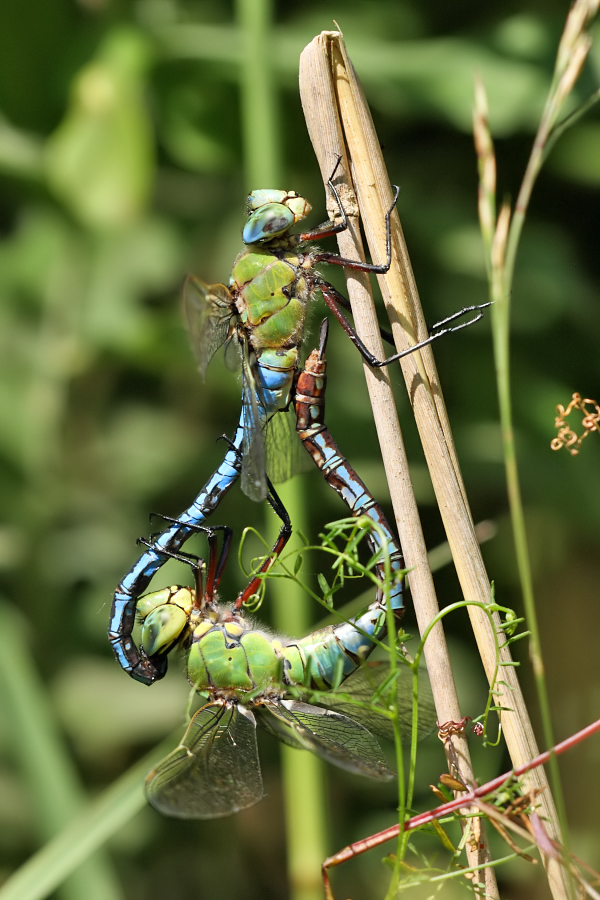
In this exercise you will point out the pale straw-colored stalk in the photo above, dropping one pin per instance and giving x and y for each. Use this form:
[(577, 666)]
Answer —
[(328, 99), (304, 775)]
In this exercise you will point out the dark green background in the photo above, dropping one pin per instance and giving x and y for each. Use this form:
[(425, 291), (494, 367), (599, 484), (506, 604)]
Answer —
[(103, 416)]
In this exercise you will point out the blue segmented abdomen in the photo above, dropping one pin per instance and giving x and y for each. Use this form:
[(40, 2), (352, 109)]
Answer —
[(275, 390), (276, 370)]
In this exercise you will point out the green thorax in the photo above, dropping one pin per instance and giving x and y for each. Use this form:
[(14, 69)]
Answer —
[(270, 294), (229, 658)]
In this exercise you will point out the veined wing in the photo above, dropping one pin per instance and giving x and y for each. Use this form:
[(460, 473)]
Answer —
[(363, 684), (209, 311), (214, 771), (334, 737), (254, 483), (285, 455)]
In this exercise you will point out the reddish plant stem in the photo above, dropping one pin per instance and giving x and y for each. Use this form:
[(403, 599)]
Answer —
[(453, 805)]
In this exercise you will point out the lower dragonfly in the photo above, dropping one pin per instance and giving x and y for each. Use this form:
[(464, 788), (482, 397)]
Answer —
[(260, 317), (244, 675)]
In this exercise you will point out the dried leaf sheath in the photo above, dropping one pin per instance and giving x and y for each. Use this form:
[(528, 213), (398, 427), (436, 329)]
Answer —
[(321, 111)]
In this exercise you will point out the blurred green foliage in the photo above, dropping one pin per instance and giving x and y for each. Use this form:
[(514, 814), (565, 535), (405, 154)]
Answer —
[(120, 171)]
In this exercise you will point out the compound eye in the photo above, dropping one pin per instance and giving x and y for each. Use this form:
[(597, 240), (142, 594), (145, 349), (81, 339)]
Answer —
[(268, 222), (162, 628)]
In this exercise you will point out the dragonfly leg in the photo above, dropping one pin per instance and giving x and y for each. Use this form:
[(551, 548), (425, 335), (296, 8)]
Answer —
[(234, 448), (358, 265), (207, 529), (330, 227), (334, 300), (216, 562), (461, 312), (283, 537), (385, 334), (190, 559)]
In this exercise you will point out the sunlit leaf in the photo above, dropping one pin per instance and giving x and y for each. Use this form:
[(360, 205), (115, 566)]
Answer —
[(100, 160)]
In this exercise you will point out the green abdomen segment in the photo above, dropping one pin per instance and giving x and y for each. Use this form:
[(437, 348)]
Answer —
[(226, 658)]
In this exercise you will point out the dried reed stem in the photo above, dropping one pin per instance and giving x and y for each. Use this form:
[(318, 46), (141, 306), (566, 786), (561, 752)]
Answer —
[(320, 105), (325, 63)]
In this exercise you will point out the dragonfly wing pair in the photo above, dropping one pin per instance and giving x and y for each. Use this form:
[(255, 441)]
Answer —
[(367, 682), (272, 446), (214, 771), (209, 312), (332, 736)]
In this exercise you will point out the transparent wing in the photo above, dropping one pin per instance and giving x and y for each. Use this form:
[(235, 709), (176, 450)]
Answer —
[(214, 771), (363, 684), (254, 483), (233, 353), (334, 737), (209, 311), (285, 455)]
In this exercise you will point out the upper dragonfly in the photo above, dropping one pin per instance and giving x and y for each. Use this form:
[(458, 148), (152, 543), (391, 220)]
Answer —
[(261, 315)]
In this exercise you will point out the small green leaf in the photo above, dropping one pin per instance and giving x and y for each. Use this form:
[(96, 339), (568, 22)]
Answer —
[(324, 585)]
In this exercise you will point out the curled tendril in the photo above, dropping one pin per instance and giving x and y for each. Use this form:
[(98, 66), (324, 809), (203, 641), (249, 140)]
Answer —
[(566, 436), (447, 729)]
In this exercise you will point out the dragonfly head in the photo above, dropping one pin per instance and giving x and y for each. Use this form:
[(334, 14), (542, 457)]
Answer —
[(271, 213), (164, 615)]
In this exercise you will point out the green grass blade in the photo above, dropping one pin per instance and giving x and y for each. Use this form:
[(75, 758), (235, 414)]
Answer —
[(88, 831), (304, 774), (48, 770)]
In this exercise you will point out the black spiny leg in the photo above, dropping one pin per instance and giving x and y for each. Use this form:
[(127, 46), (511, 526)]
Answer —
[(328, 229), (189, 559), (385, 334), (216, 561), (334, 300), (283, 537)]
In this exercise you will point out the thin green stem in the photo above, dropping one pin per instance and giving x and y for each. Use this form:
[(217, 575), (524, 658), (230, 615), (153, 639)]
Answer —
[(500, 292), (258, 85), (568, 122), (489, 609), (304, 775), (393, 707), (501, 259)]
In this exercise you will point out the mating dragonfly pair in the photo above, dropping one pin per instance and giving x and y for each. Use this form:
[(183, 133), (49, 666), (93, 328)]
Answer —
[(243, 675)]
